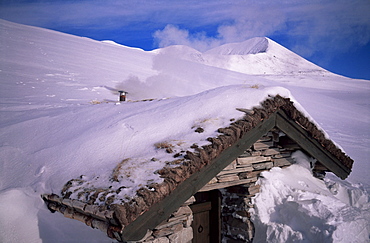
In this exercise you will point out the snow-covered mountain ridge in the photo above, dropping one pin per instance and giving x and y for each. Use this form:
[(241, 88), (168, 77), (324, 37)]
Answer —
[(59, 119), (257, 56), (264, 56), (60, 60)]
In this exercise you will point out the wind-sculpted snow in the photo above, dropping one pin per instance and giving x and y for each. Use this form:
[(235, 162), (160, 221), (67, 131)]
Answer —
[(294, 207), (59, 119)]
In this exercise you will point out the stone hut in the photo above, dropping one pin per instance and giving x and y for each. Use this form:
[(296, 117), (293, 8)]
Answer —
[(206, 197)]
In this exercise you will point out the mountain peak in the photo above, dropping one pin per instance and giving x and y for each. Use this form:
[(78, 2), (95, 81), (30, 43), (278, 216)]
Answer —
[(250, 46), (259, 55)]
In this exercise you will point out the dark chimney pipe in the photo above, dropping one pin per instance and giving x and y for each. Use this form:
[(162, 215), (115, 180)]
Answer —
[(122, 95)]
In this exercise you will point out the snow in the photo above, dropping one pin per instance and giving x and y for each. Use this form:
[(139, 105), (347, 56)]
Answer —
[(252, 46), (180, 135), (293, 206), (60, 120)]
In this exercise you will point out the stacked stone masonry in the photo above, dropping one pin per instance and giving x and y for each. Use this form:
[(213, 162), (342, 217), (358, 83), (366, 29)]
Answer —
[(245, 170), (237, 183), (175, 229)]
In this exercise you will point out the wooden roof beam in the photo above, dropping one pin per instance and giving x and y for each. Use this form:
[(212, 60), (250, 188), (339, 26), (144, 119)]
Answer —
[(310, 145)]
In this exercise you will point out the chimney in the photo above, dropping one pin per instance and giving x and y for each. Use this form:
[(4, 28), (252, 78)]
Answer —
[(122, 95)]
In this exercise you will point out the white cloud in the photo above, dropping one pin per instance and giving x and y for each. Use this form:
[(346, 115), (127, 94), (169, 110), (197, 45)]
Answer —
[(240, 21), (310, 26), (173, 35)]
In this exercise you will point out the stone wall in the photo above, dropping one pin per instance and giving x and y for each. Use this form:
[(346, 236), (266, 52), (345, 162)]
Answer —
[(177, 229), (236, 223), (237, 182)]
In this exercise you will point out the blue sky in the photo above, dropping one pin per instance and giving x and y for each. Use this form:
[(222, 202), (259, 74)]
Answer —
[(334, 34)]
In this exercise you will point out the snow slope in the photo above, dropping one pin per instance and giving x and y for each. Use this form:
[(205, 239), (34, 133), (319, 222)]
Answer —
[(252, 46), (59, 120)]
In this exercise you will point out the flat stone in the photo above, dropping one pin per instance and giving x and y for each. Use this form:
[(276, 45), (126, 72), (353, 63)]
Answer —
[(191, 200), (251, 160), (263, 166), (214, 180), (279, 162), (182, 211), (189, 221), (185, 235), (250, 174), (78, 205), (159, 240), (68, 213), (67, 202), (263, 145), (254, 189), (240, 168), (228, 178), (231, 166), (100, 214), (270, 151), (168, 230), (214, 186), (91, 209), (256, 153)]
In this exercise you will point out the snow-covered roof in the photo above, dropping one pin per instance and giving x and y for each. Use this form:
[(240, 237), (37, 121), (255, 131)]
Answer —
[(188, 165)]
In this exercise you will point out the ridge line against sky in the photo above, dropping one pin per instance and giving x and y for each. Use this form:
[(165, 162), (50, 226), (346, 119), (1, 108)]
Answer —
[(335, 34)]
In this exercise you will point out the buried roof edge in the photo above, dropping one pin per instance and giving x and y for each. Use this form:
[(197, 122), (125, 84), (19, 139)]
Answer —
[(151, 207)]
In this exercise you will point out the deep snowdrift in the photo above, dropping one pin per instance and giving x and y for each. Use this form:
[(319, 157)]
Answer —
[(294, 207), (59, 120)]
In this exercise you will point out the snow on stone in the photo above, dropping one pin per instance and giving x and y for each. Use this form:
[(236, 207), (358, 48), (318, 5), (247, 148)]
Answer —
[(60, 120)]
